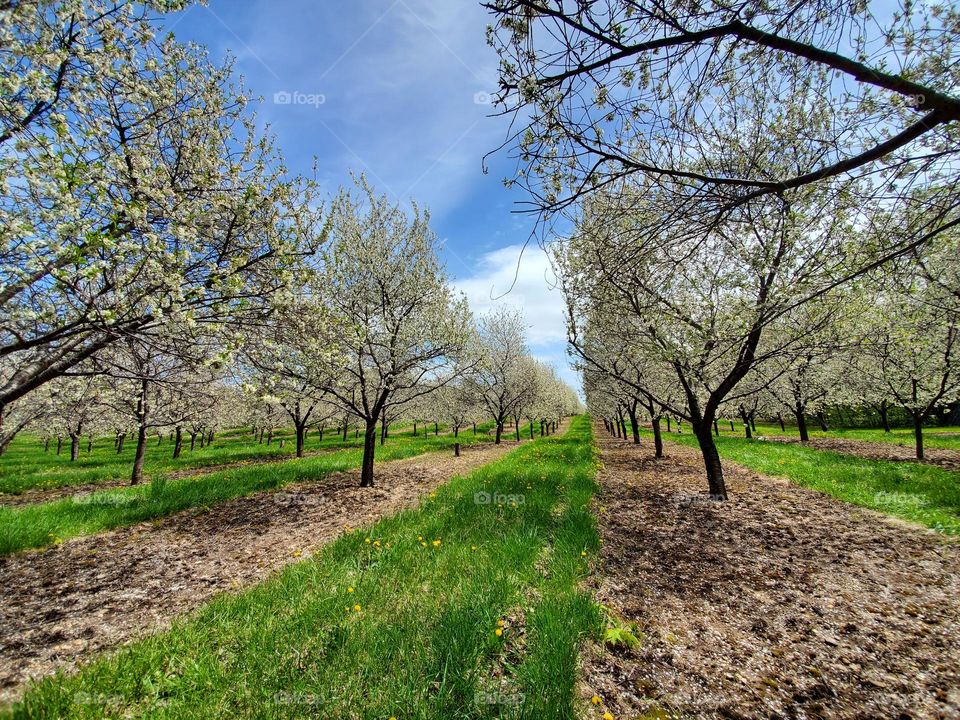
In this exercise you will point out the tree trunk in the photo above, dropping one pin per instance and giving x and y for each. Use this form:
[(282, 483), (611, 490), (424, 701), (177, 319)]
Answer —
[(193, 441), (137, 475), (918, 433), (321, 433), (542, 431), (123, 436), (369, 448), (801, 423), (210, 438), (753, 421), (74, 447), (822, 420), (269, 436), (716, 428), (783, 428), (301, 429), (59, 443), (499, 432), (474, 428), (383, 431), (414, 428), (711, 461), (668, 424), (884, 416), (732, 428), (516, 428), (634, 426), (46, 445), (531, 429), (261, 438), (746, 424), (345, 428), (657, 438), (177, 442), (89, 444), (436, 429)]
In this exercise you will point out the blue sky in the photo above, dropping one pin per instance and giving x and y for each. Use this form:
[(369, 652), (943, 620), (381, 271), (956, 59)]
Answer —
[(396, 89)]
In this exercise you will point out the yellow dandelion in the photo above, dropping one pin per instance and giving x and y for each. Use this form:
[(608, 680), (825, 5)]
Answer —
[(498, 632), (473, 547), (376, 543), (583, 553), (607, 716), (349, 589), (420, 538), (424, 544), (367, 541), (595, 699), (499, 623), (297, 553), (357, 608), (436, 543)]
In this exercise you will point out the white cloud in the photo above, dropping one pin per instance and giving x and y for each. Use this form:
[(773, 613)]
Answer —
[(504, 278)]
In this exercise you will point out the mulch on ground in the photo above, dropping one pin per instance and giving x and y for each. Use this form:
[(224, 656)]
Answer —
[(779, 603), (63, 604)]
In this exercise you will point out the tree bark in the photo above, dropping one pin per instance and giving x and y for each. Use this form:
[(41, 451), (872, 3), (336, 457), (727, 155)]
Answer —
[(137, 475), (657, 438), (345, 428), (516, 428), (711, 461), (301, 429), (716, 428), (74, 447), (177, 442), (59, 443), (885, 416), (918, 433), (369, 449), (822, 420), (668, 424), (499, 432), (783, 428), (120, 440), (746, 423), (801, 423), (531, 429)]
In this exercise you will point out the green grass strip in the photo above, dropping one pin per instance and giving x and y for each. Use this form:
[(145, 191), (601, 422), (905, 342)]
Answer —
[(382, 623), (25, 465), (42, 524), (924, 494)]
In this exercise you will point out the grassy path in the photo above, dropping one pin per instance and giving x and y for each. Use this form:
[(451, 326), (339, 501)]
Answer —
[(460, 608), (923, 494), (43, 524)]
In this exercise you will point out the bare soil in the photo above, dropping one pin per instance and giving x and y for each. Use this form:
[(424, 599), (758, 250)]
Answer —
[(949, 459), (778, 603), (63, 604)]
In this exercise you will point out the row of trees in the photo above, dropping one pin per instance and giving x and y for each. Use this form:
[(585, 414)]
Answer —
[(763, 200), (159, 266)]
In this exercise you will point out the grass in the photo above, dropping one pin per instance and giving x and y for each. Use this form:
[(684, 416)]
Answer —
[(26, 466), (382, 624), (924, 494), (41, 524), (945, 438)]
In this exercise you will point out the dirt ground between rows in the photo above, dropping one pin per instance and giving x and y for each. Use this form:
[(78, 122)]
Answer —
[(63, 604), (779, 603), (949, 459)]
